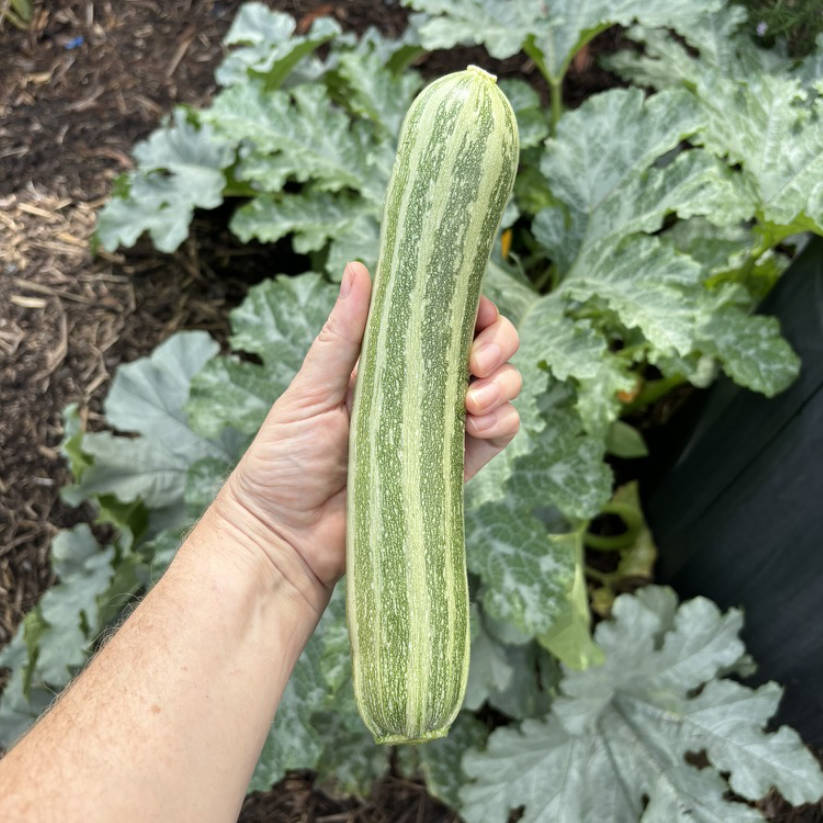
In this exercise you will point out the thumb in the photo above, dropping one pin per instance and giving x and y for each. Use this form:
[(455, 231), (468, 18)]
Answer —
[(324, 376)]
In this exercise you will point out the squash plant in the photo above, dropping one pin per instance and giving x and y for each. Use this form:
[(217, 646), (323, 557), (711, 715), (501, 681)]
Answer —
[(644, 228)]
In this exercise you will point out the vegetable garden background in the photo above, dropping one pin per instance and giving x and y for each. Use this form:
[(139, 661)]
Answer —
[(180, 186)]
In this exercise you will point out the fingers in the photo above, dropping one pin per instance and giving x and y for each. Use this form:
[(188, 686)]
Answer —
[(326, 371), (492, 421), (498, 426), (492, 347), (486, 394), (488, 439)]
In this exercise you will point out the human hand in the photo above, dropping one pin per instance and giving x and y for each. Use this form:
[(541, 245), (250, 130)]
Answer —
[(289, 490)]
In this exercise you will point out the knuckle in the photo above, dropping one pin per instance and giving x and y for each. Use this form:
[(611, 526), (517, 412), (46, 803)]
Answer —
[(516, 381), (508, 332), (512, 420), (515, 342), (329, 333)]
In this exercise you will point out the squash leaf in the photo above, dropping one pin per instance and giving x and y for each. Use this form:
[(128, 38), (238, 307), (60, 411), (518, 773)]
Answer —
[(147, 398), (54, 640), (180, 167), (527, 567), (755, 112), (381, 96), (625, 727), (557, 31), (267, 46), (615, 194)]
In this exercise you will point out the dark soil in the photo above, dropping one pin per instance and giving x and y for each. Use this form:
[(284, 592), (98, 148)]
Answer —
[(297, 798), (76, 91)]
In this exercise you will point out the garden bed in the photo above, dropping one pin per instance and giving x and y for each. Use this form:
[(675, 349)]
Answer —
[(78, 90)]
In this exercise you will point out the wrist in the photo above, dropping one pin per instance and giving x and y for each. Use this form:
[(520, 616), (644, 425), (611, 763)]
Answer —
[(256, 548)]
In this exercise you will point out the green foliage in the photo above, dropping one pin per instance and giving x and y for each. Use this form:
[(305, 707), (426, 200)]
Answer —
[(277, 321), (179, 167), (269, 49), (797, 22), (551, 34), (621, 731), (54, 640), (327, 129), (644, 230), (757, 113)]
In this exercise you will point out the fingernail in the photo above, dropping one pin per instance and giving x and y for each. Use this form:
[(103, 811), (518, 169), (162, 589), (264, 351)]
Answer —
[(484, 396), (346, 284), (487, 356)]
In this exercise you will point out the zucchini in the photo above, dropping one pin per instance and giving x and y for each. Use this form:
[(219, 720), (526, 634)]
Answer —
[(407, 592)]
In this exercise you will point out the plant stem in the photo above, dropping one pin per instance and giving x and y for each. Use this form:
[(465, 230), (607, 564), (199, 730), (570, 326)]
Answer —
[(602, 577), (555, 83), (653, 391), (602, 543), (556, 94), (633, 521), (546, 277)]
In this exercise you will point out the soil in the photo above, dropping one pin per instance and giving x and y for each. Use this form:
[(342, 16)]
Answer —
[(87, 80)]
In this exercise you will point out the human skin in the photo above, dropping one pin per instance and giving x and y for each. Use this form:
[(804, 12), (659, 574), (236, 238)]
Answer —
[(168, 720)]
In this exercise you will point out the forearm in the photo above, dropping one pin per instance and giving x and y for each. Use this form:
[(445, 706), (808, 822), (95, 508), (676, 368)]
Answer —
[(168, 720)]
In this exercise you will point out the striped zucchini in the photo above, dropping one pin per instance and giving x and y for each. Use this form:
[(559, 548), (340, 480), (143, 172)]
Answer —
[(408, 608)]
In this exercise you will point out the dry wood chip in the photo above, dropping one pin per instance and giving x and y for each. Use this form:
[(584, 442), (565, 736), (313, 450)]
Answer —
[(74, 241), (30, 208), (28, 302), (86, 102), (182, 48)]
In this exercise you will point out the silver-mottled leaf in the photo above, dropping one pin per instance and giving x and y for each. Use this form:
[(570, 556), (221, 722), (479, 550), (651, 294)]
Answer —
[(532, 120), (312, 218), (180, 167), (360, 241), (755, 112), (489, 670), (147, 397), (314, 139), (440, 759), (268, 45), (752, 351), (451, 22), (526, 570), (557, 30), (626, 727), (375, 92)]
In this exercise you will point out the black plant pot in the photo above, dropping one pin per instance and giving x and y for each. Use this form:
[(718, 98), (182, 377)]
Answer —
[(739, 516)]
